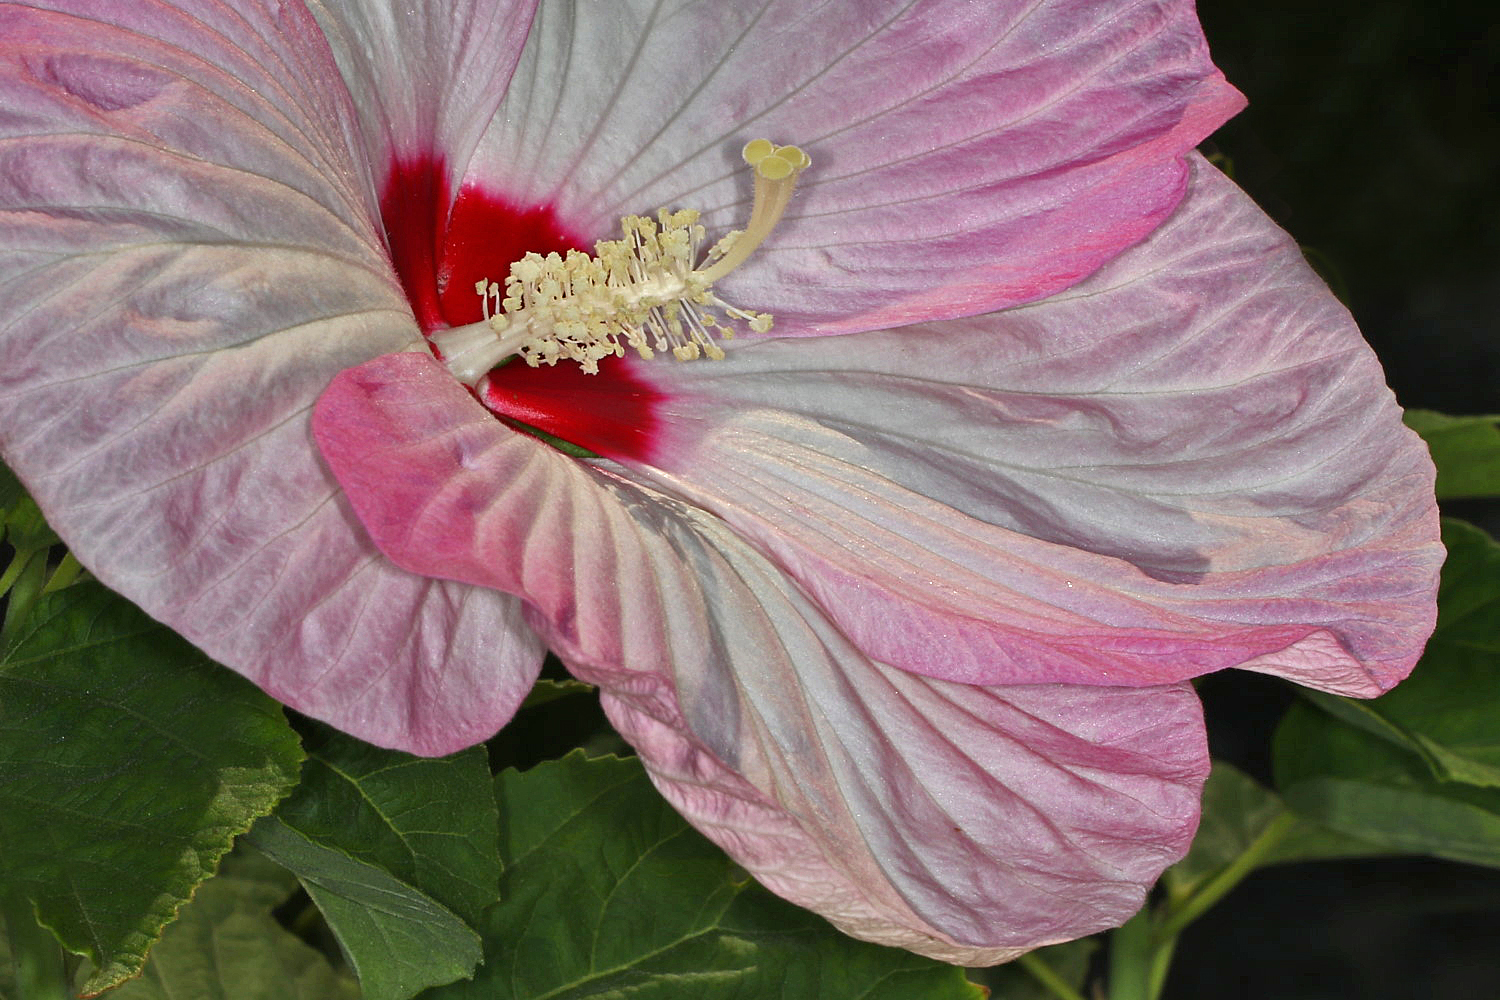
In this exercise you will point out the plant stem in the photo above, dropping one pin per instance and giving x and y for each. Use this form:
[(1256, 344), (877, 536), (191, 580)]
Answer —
[(38, 959), (1044, 974), (1140, 952), (1215, 888), (1161, 962), (1131, 948)]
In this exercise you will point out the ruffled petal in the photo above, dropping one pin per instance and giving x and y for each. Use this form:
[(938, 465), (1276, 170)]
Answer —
[(426, 77), (1188, 462), (962, 822), (187, 256), (966, 157)]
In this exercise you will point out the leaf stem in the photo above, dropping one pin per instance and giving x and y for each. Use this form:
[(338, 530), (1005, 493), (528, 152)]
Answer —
[(41, 973), (1044, 974)]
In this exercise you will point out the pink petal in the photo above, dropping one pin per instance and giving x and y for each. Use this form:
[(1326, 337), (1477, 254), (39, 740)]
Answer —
[(430, 75), (190, 256), (963, 822), (966, 156), (1188, 462), (974, 823)]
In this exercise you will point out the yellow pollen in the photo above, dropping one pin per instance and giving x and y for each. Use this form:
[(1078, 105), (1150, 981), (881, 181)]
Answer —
[(648, 291)]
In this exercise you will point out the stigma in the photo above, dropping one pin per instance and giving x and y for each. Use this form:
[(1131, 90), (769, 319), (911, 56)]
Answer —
[(650, 291)]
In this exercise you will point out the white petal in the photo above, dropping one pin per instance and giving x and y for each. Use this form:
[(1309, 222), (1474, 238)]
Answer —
[(188, 253), (966, 156), (426, 77), (1188, 462), (962, 822)]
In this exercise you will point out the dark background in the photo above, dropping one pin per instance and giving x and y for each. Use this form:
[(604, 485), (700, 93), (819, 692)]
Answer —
[(1372, 136)]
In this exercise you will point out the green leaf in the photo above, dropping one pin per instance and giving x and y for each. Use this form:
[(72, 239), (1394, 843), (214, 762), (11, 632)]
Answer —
[(546, 690), (25, 529), (22, 527), (7, 970), (609, 893), (1466, 451), (21, 522), (399, 940), (11, 491), (430, 823), (401, 854), (1359, 784), (1417, 769), (1311, 841), (1237, 810), (128, 763), (1451, 703), (1448, 712), (225, 945), (32, 962), (1447, 827)]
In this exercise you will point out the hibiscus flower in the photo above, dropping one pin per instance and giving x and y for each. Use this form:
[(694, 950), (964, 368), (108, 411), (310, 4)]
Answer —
[(897, 602)]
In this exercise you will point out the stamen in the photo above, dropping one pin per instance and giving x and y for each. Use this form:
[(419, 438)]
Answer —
[(647, 291)]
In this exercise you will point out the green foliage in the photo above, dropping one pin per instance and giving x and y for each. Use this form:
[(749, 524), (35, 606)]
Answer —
[(1418, 769), (1237, 811), (10, 490), (22, 527), (547, 690), (128, 763), (1450, 706), (1238, 814), (1448, 712), (608, 892), (21, 523), (7, 970), (225, 945), (398, 939), (399, 852), (1466, 451), (1361, 784), (1069, 961), (430, 823)]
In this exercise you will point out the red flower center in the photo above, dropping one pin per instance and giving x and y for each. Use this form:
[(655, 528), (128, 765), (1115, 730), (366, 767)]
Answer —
[(442, 246)]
